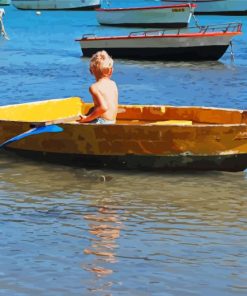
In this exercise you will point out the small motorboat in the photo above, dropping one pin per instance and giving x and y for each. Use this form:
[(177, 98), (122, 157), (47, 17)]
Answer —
[(145, 137), (175, 16), (56, 4), (224, 7), (204, 43)]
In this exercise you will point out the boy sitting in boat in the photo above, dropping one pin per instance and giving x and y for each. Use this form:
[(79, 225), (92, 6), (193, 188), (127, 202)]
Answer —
[(104, 91)]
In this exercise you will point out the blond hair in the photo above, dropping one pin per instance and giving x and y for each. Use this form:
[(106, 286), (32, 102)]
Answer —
[(101, 63)]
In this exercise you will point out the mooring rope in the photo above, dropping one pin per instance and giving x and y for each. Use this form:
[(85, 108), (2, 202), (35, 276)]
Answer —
[(195, 20), (108, 3), (232, 53)]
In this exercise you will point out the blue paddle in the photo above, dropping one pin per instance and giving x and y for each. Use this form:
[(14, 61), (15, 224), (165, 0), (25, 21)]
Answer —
[(40, 128), (45, 127), (34, 131)]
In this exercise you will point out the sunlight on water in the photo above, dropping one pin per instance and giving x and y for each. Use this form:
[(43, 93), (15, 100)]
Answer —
[(106, 231)]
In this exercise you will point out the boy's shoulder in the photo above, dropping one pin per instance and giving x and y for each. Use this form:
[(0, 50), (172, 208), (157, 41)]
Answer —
[(102, 84), (112, 82), (95, 84), (93, 87)]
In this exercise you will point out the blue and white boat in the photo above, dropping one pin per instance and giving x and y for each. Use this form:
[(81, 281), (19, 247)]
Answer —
[(200, 43), (175, 16), (56, 4), (224, 7), (5, 2)]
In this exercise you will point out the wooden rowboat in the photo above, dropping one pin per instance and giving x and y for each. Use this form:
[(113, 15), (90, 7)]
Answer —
[(221, 7), (144, 137), (200, 43), (175, 16)]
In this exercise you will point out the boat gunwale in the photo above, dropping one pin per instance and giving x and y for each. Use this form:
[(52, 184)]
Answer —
[(180, 35), (126, 105), (151, 123), (226, 29), (34, 102), (146, 7), (122, 108)]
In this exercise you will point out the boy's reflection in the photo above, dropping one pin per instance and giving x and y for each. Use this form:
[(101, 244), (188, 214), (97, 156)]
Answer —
[(105, 226)]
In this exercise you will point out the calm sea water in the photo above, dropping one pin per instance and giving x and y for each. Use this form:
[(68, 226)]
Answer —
[(66, 231)]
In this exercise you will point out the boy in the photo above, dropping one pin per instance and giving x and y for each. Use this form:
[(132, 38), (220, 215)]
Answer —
[(104, 91)]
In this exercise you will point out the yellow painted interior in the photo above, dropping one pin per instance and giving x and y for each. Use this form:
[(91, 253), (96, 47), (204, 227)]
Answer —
[(128, 114), (171, 122), (194, 114), (42, 110)]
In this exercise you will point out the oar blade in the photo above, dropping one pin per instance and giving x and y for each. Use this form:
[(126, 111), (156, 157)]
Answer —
[(34, 131)]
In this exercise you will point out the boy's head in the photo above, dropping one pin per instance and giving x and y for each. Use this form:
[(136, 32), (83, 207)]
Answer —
[(101, 64)]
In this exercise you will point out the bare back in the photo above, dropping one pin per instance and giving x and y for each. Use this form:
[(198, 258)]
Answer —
[(106, 93)]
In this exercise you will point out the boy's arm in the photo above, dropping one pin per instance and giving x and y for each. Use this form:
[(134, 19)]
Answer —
[(100, 106)]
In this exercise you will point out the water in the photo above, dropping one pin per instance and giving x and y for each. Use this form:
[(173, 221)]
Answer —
[(67, 231)]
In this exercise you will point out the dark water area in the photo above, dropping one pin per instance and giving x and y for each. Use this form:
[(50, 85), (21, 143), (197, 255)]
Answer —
[(74, 231)]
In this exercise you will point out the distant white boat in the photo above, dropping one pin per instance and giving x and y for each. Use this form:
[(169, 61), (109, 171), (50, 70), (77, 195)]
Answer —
[(5, 2), (172, 16), (2, 12), (56, 4), (2, 30), (227, 7)]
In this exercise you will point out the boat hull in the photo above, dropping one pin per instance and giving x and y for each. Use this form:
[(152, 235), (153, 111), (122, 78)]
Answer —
[(56, 4), (230, 163), (144, 137), (171, 25), (136, 147), (220, 7), (177, 16), (196, 53), (178, 48)]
